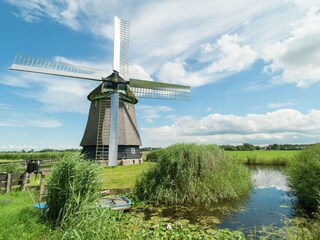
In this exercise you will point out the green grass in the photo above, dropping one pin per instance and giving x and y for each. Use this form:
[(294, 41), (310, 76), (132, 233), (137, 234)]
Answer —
[(123, 176), (11, 160), (264, 157), (31, 156), (18, 218)]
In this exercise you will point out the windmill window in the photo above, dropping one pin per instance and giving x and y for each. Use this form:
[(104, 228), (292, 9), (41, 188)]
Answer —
[(133, 150)]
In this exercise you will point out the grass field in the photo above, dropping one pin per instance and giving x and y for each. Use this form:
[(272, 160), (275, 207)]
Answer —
[(123, 176), (31, 156), (264, 157)]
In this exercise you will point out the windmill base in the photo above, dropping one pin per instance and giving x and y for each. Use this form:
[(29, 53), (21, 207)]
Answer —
[(127, 154)]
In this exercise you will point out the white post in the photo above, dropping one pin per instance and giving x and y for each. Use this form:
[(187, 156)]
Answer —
[(113, 138)]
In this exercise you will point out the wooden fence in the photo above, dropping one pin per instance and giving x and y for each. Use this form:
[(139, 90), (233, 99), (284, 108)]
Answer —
[(19, 181), (8, 181)]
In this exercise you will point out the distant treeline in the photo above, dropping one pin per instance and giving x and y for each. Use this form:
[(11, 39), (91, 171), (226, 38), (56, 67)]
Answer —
[(275, 146), (43, 151)]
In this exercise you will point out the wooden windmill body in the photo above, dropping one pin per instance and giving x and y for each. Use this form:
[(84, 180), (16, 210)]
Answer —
[(95, 141)]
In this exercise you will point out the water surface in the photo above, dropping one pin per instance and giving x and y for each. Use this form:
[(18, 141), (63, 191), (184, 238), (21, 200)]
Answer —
[(268, 203)]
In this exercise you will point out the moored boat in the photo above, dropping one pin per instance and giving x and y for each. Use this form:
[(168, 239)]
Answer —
[(115, 203)]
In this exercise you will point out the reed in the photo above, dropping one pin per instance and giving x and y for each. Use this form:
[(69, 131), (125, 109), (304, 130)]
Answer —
[(304, 178), (192, 174), (73, 183)]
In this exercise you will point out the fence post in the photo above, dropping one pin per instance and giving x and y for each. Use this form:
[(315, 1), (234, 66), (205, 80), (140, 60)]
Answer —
[(24, 181), (42, 182), (8, 182)]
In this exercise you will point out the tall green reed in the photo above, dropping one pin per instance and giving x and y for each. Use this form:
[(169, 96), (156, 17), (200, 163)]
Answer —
[(304, 178), (74, 182), (193, 174)]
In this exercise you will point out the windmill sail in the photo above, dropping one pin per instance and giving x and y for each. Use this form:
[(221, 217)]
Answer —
[(45, 66), (121, 46), (159, 90)]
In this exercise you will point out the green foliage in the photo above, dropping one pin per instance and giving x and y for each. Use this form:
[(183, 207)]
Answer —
[(10, 168), (92, 223), (18, 218), (73, 183), (304, 178), (263, 157), (192, 174), (31, 155)]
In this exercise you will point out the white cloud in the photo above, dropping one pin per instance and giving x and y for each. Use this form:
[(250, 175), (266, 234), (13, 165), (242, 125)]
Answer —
[(102, 67), (295, 59), (4, 106), (28, 147), (281, 105), (158, 38), (55, 93), (194, 31), (69, 15), (151, 113), (233, 57), (137, 72), (29, 121), (175, 72), (284, 125), (14, 81)]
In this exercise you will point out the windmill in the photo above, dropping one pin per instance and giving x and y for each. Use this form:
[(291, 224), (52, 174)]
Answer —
[(111, 132)]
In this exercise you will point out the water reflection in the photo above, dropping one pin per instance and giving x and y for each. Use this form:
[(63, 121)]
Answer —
[(269, 178), (269, 202)]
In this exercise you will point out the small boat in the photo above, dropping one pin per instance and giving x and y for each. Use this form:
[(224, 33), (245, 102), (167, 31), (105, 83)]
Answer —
[(115, 203), (40, 205)]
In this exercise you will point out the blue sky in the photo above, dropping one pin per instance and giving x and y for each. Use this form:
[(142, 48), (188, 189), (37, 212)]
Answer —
[(253, 67)]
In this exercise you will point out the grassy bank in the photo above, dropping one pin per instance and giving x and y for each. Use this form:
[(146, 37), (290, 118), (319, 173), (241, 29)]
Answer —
[(123, 176), (264, 157)]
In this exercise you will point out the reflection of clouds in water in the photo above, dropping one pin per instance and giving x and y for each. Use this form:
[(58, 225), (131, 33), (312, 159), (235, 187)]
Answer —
[(269, 179)]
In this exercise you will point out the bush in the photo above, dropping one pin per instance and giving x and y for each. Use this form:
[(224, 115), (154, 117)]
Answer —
[(11, 168), (304, 177), (73, 183), (192, 174)]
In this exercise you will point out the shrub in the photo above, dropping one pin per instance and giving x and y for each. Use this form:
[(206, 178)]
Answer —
[(11, 168), (194, 174), (73, 183), (304, 177)]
